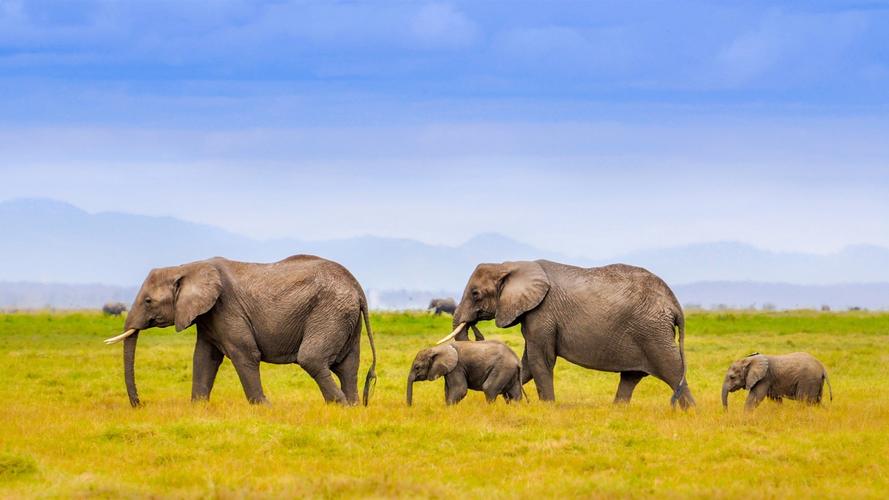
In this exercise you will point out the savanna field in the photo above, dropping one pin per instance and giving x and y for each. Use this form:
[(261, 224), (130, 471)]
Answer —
[(66, 428)]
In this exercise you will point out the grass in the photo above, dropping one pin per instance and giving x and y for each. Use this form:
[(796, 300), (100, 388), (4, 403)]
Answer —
[(66, 428)]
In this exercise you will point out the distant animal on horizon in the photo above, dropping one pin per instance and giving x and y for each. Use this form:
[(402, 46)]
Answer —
[(114, 308), (442, 306), (303, 310), (449, 306), (797, 376), (615, 318), (488, 366)]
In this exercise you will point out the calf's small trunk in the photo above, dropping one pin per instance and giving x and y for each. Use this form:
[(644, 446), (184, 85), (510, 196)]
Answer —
[(725, 391), (410, 389)]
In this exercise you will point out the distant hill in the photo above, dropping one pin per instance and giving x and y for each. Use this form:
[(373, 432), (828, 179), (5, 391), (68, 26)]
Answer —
[(46, 242), (49, 241)]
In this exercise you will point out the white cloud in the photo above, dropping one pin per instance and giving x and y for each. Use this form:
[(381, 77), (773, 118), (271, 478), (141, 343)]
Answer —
[(796, 46), (439, 24)]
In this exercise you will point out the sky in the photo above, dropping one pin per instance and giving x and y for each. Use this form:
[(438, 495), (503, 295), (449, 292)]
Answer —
[(588, 128)]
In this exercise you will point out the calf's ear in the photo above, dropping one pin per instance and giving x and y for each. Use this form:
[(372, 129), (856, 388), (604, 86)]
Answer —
[(444, 361), (756, 370)]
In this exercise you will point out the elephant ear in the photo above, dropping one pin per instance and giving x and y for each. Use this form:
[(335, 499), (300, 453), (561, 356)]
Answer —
[(444, 361), (756, 370), (522, 288), (197, 290)]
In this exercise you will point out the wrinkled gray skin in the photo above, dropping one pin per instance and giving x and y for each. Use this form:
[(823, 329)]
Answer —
[(114, 308), (303, 309), (442, 305), (615, 318), (487, 366), (798, 376)]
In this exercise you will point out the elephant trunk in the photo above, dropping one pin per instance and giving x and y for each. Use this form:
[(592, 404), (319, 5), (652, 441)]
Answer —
[(410, 389), (725, 391), (476, 332), (129, 359)]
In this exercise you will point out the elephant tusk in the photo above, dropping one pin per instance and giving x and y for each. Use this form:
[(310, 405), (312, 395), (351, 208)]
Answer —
[(452, 334), (114, 340)]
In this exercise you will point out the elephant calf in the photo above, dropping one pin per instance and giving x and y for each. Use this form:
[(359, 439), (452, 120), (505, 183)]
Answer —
[(798, 376), (487, 366)]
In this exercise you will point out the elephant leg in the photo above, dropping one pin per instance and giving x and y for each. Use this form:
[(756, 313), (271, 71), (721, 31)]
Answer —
[(207, 358), (628, 381), (809, 393), (514, 393), (541, 361), (755, 396), (496, 383), (666, 365), (347, 372), (247, 366), (456, 388), (325, 336), (316, 364)]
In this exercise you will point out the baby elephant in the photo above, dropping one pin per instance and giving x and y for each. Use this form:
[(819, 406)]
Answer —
[(797, 376), (487, 365)]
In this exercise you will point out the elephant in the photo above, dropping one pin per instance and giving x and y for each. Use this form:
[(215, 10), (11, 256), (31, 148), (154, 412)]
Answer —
[(615, 318), (448, 306), (303, 309), (442, 305), (489, 366), (114, 308), (798, 376)]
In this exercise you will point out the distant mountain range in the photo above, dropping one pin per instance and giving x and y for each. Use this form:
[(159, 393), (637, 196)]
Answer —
[(49, 242)]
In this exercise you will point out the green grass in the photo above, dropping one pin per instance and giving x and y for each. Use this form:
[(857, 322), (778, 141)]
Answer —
[(66, 428)]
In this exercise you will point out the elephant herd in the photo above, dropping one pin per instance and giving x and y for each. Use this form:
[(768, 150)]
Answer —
[(310, 311)]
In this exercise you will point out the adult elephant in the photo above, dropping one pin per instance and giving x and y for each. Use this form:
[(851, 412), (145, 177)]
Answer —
[(615, 318), (442, 305), (303, 309)]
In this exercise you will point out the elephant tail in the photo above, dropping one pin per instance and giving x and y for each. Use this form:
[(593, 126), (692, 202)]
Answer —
[(829, 388), (679, 324), (372, 371)]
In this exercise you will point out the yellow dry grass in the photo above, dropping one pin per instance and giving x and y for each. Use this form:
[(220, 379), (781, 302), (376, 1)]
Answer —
[(66, 428)]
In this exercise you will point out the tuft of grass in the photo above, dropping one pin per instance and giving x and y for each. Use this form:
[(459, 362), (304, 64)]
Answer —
[(14, 466), (68, 430)]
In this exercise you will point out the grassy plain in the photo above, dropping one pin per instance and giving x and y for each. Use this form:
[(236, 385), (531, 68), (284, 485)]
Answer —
[(66, 428)]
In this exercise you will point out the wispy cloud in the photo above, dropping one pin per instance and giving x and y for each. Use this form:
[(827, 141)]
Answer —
[(588, 127), (795, 46)]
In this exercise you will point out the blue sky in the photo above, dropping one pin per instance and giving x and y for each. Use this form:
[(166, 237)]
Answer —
[(592, 128)]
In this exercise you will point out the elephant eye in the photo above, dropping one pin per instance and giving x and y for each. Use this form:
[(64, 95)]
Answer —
[(475, 294), (148, 300)]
